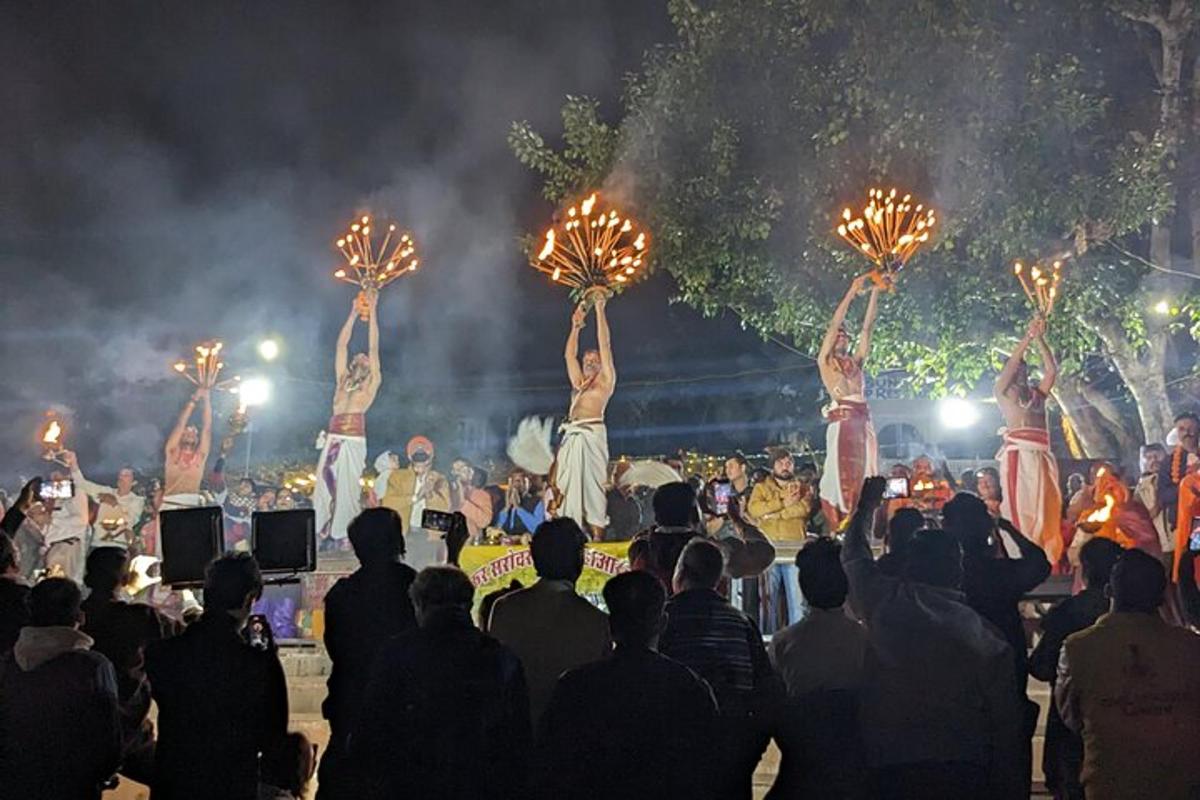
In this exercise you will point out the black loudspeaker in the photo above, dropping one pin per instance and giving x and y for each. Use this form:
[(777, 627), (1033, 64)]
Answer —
[(191, 538), (284, 542)]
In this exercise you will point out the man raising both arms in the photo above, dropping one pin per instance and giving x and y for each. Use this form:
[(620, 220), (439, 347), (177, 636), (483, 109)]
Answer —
[(337, 497), (186, 454), (581, 465), (1031, 499), (850, 450)]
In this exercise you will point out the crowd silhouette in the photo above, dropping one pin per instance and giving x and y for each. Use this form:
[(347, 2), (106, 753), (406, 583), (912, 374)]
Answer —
[(906, 676)]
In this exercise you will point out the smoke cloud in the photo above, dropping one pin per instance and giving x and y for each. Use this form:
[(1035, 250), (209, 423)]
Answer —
[(179, 172)]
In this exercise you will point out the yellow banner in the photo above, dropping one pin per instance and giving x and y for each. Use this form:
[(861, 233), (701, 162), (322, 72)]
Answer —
[(493, 567)]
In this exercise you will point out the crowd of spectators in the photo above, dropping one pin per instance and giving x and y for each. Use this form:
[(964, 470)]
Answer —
[(904, 676)]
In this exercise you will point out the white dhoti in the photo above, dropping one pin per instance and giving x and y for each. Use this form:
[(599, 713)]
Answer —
[(1032, 500), (581, 472), (175, 502), (851, 453), (337, 497)]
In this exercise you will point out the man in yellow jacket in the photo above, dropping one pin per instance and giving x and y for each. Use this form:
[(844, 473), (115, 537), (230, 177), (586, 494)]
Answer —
[(410, 492), (781, 504)]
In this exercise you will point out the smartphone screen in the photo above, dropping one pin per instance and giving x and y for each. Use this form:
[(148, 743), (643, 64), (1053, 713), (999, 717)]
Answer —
[(258, 632), (722, 492), (436, 520), (57, 490), (896, 489), (1194, 537)]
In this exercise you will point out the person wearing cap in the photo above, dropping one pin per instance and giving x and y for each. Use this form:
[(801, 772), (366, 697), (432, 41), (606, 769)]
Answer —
[(337, 496), (782, 506), (412, 490), (851, 452)]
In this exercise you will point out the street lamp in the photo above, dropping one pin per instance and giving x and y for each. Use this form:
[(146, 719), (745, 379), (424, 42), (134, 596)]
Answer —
[(268, 349), (956, 413), (252, 393)]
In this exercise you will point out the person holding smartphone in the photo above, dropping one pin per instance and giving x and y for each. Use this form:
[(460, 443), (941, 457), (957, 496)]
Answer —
[(67, 533)]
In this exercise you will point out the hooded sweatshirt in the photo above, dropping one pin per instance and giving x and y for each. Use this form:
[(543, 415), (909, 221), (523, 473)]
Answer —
[(59, 731)]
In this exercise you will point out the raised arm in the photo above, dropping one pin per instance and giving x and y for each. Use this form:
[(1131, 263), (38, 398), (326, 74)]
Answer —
[(607, 368), (341, 356), (181, 423), (864, 340), (206, 426), (1005, 379), (373, 339), (571, 354), (1049, 366), (868, 586), (839, 316)]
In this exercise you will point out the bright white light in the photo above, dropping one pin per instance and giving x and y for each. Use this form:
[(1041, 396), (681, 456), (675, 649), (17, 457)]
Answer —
[(1162, 307), (255, 392), (268, 349), (957, 413)]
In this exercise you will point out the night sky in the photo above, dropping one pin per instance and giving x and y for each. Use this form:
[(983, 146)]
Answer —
[(176, 171)]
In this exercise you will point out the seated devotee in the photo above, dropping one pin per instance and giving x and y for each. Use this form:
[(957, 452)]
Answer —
[(550, 627), (446, 711), (940, 712), (524, 509), (60, 735), (1128, 686), (929, 491), (656, 721)]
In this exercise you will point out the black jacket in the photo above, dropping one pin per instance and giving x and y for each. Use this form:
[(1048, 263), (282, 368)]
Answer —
[(362, 612), (59, 733), (994, 588), (121, 631), (1062, 758), (220, 704), (445, 715), (14, 611), (635, 724)]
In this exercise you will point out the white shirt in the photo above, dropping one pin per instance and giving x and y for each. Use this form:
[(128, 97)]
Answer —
[(70, 518), (129, 506)]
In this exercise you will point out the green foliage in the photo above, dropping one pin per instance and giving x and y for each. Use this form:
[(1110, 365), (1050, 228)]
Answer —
[(1028, 125)]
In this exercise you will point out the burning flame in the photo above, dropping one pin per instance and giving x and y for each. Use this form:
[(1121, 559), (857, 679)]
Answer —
[(590, 250), (206, 366), (53, 433), (373, 266), (1105, 513), (1041, 287), (889, 231)]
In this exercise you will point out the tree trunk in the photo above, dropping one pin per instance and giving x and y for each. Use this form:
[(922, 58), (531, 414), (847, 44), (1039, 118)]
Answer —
[(1114, 421), (1084, 419), (1144, 374), (1195, 170)]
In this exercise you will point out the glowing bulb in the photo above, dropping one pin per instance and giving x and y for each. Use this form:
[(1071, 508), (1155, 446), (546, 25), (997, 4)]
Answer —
[(268, 349), (255, 392), (1162, 307), (956, 413)]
